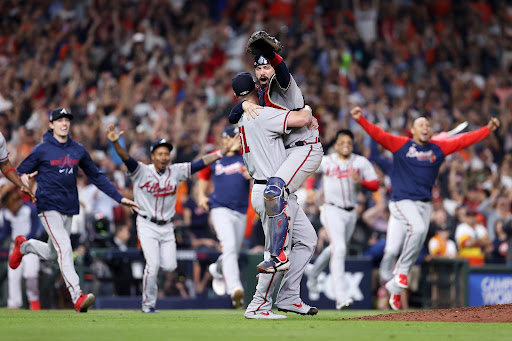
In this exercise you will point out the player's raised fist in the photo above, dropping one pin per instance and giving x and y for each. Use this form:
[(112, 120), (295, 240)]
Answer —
[(493, 124), (112, 135), (356, 113)]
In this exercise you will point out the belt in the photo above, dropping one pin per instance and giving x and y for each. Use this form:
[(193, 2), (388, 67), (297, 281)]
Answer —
[(156, 221), (351, 208), (425, 200), (264, 182), (301, 143)]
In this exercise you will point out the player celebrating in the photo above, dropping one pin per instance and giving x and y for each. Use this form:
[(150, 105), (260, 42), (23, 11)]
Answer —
[(54, 163), (343, 175), (228, 214), (155, 191), (279, 90), (264, 155), (416, 163), (21, 219)]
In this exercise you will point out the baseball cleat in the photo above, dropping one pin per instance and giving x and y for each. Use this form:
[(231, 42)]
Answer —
[(299, 308), (84, 302), (16, 255), (394, 302), (237, 298), (280, 263), (150, 310), (218, 285), (268, 315), (345, 304), (402, 281)]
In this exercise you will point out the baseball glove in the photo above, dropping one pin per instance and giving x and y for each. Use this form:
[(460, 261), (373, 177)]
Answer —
[(261, 43)]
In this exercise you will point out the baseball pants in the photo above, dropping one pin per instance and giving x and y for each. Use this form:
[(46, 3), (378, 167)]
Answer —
[(229, 226), (340, 225), (395, 236), (159, 247), (300, 163), (303, 241), (29, 270), (415, 216), (58, 247)]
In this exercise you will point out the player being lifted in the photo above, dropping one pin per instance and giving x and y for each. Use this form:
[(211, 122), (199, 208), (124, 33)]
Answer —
[(304, 152), (264, 156), (154, 189), (416, 163)]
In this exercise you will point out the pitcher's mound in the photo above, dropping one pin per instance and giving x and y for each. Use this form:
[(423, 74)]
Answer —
[(500, 313)]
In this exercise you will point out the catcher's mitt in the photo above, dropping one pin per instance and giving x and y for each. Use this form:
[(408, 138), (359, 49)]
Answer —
[(261, 43)]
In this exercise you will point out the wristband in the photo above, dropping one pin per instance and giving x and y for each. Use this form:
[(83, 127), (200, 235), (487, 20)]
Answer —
[(219, 154), (9, 170)]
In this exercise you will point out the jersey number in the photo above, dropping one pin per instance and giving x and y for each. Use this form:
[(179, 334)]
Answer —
[(243, 140)]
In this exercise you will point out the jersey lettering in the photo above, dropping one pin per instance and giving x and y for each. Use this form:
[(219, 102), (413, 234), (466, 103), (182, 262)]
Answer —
[(245, 147), (157, 191)]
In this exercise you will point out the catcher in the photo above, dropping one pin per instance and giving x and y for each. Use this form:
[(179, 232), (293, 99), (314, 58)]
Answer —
[(278, 89)]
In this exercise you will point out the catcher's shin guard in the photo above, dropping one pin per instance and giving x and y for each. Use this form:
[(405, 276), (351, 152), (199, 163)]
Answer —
[(275, 205)]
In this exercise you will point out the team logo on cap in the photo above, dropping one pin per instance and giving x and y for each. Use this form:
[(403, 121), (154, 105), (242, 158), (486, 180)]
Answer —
[(261, 61), (243, 93)]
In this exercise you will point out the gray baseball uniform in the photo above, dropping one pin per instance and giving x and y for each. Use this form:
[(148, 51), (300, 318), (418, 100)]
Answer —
[(338, 214), (264, 154), (156, 195)]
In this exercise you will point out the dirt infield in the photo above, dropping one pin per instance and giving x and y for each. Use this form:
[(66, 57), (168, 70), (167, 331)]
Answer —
[(501, 313)]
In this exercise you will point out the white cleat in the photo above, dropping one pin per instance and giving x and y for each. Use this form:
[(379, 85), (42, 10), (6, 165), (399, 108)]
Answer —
[(266, 315), (345, 304), (237, 298), (218, 285), (299, 308)]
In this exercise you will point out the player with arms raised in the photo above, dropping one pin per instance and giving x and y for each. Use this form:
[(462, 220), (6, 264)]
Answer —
[(416, 163)]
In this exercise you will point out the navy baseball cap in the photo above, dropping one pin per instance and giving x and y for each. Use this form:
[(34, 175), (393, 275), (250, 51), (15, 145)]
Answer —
[(158, 143), (55, 114), (243, 83), (260, 60), (230, 131)]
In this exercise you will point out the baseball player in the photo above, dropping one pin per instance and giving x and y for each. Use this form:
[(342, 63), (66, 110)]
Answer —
[(344, 173), (155, 191), (278, 89), (228, 205), (21, 219), (54, 164), (416, 163), (264, 154)]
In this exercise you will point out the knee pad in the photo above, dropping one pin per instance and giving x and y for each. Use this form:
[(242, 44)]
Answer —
[(275, 207)]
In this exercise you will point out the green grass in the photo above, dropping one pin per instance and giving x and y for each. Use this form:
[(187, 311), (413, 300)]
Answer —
[(211, 325)]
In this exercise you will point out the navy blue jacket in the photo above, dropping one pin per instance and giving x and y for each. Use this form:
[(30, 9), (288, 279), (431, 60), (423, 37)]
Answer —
[(57, 164)]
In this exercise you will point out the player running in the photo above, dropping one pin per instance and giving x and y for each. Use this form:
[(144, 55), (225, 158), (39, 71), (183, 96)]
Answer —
[(154, 189), (228, 205), (344, 175), (416, 163), (54, 164)]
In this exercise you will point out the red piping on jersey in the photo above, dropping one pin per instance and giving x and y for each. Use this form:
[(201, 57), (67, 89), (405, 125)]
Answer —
[(266, 293), (266, 96), (60, 251), (371, 185), (163, 201), (310, 149), (285, 122)]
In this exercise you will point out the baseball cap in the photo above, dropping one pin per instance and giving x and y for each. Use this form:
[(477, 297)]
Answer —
[(260, 60), (158, 143), (243, 83), (230, 131), (55, 114)]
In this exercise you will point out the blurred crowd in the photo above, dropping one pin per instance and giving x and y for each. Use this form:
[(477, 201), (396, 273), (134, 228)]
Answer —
[(163, 68)]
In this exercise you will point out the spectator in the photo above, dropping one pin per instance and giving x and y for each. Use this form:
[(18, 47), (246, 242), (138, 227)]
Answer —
[(472, 239)]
